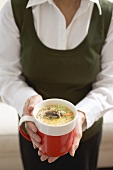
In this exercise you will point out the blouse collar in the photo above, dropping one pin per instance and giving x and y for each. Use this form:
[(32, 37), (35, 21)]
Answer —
[(38, 2)]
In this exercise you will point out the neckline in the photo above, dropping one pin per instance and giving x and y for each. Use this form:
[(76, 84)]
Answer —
[(35, 38)]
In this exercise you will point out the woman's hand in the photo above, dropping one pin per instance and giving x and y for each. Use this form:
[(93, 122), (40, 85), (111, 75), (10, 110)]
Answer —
[(78, 132), (30, 127)]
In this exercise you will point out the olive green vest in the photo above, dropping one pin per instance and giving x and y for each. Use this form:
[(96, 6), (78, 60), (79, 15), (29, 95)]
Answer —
[(66, 74)]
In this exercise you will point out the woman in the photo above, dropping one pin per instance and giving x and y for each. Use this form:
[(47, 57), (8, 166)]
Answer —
[(58, 48)]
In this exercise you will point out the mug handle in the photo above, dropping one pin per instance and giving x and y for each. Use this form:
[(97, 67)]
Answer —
[(23, 119)]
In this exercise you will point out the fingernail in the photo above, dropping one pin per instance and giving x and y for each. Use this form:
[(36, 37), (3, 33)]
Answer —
[(50, 161), (30, 107), (40, 147), (34, 130), (34, 146), (73, 153), (38, 139)]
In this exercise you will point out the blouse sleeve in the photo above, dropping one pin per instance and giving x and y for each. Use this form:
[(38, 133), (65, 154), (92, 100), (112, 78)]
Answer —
[(13, 88), (100, 98)]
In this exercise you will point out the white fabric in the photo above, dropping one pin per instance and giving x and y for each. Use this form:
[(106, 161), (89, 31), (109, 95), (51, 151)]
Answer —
[(13, 88)]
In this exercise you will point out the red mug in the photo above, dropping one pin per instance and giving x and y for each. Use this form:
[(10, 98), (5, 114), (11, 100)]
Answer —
[(55, 140)]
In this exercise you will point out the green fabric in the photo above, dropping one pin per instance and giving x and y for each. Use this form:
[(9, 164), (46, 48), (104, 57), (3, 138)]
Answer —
[(66, 74)]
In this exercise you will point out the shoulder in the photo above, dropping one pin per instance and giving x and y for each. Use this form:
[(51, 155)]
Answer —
[(106, 5), (6, 10), (107, 9)]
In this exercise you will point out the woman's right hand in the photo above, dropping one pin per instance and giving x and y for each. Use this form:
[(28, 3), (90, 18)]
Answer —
[(29, 126)]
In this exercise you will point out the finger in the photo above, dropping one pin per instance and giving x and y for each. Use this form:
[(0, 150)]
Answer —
[(31, 126), (52, 159), (35, 143), (74, 147), (43, 157), (34, 146), (33, 135), (25, 109), (77, 138), (40, 152)]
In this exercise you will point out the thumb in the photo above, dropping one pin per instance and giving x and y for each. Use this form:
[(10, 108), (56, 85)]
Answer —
[(33, 101)]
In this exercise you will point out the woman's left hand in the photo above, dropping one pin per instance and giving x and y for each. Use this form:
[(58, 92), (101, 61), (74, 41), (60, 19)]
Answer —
[(75, 145), (78, 132)]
